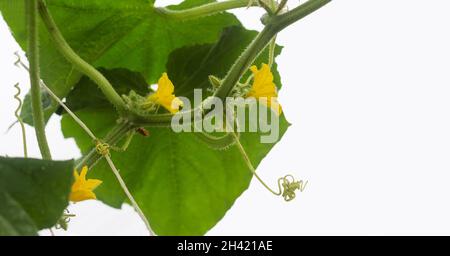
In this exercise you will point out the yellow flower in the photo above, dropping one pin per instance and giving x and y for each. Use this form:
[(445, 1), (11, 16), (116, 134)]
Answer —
[(82, 189), (164, 95), (264, 87)]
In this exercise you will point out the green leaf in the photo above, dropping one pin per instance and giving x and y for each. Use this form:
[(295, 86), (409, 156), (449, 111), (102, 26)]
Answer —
[(14, 220), (127, 34), (26, 112), (33, 194), (183, 186), (189, 66)]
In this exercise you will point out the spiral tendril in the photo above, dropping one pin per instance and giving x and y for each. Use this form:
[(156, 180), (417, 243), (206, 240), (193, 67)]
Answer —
[(288, 185), (102, 148), (19, 119), (18, 61)]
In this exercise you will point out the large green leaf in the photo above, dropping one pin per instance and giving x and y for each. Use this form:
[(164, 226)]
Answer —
[(183, 186), (33, 194), (112, 34)]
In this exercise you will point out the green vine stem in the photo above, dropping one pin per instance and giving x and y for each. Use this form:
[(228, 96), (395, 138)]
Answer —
[(105, 153), (81, 65), (94, 138), (55, 98), (272, 46), (205, 10), (33, 58), (274, 25)]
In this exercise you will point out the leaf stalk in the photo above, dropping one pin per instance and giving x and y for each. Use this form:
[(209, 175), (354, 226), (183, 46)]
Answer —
[(81, 65), (33, 58), (204, 10), (274, 25)]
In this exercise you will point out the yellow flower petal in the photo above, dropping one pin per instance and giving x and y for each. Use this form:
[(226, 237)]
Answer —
[(82, 188), (92, 184), (83, 173), (82, 195), (263, 84), (76, 175), (264, 88), (165, 86), (164, 95)]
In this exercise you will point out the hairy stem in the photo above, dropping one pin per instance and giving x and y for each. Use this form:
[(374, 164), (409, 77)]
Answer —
[(81, 65), (280, 22), (272, 46), (204, 10), (274, 25), (243, 63), (33, 58)]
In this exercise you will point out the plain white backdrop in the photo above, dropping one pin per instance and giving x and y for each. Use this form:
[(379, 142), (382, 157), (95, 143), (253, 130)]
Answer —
[(366, 85)]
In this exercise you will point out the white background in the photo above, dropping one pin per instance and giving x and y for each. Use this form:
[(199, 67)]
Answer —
[(366, 86)]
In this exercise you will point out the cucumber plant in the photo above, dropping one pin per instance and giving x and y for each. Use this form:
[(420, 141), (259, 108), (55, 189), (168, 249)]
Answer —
[(93, 62)]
